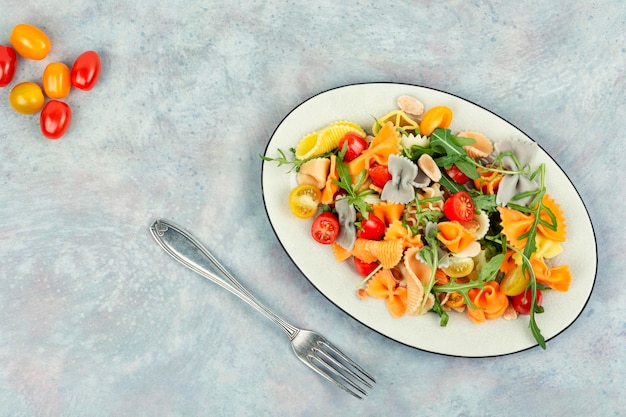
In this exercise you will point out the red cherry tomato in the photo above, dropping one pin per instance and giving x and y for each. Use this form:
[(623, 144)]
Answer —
[(459, 206), (356, 145), (372, 228), (86, 71), (325, 228), (30, 41), (379, 175), (55, 119), (56, 80), (522, 303), (364, 268), (8, 63), (457, 175)]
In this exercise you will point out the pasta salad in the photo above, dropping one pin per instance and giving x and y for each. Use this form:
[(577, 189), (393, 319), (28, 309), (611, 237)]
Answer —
[(432, 220)]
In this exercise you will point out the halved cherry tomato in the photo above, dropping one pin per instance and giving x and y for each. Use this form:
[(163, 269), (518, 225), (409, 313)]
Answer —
[(356, 145), (438, 116), (30, 41), (457, 175), (514, 282), (304, 199), (459, 206), (371, 228), (459, 267), (26, 98), (55, 119), (8, 63), (56, 80), (325, 228), (86, 70), (522, 303), (379, 175), (364, 268)]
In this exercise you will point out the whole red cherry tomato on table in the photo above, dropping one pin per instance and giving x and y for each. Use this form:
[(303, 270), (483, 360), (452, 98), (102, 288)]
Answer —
[(8, 63), (55, 119), (30, 41), (86, 70), (56, 80)]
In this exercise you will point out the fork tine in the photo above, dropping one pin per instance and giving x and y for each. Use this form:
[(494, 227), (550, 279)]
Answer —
[(341, 370), (313, 362), (346, 360)]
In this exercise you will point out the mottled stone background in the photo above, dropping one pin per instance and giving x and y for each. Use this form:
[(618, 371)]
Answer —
[(96, 321)]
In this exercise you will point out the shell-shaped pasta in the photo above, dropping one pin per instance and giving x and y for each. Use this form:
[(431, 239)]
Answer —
[(399, 119), (325, 140), (428, 165), (416, 274), (411, 106), (414, 265), (482, 148), (387, 252), (479, 225), (314, 172)]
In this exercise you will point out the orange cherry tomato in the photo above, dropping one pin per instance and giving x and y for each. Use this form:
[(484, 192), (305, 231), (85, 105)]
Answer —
[(55, 119), (26, 98), (56, 80), (438, 116), (30, 41), (86, 70)]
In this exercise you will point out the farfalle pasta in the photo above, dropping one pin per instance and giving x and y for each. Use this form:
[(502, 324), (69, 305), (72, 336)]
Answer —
[(427, 239)]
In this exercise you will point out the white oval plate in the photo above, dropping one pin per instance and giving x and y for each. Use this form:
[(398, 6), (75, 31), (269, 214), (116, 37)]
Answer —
[(461, 337)]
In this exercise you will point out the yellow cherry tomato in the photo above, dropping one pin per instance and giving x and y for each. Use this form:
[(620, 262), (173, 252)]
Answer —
[(515, 282), (26, 98), (438, 116), (30, 41), (56, 80), (459, 267), (304, 200)]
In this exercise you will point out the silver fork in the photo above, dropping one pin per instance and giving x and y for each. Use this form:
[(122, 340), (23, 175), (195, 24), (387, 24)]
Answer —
[(311, 348)]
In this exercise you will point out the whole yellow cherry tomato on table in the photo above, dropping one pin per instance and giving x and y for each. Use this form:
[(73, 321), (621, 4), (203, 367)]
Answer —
[(56, 80), (30, 42), (26, 98)]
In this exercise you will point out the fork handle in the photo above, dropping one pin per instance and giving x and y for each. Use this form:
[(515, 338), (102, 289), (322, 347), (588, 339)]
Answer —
[(186, 249)]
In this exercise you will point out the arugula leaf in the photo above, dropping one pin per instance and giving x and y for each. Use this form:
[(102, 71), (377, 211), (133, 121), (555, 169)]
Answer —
[(450, 148), (486, 202), (297, 163), (354, 196), (430, 254), (487, 273), (443, 315)]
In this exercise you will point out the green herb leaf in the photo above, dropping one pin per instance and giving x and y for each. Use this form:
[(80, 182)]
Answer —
[(354, 196)]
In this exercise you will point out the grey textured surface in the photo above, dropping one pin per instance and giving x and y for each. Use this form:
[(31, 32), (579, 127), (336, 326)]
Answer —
[(96, 321)]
